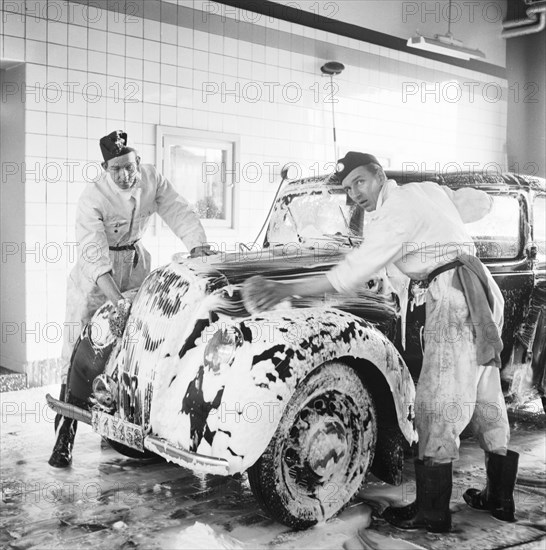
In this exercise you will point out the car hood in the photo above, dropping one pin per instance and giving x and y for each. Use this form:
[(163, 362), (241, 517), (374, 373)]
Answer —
[(178, 305), (289, 263)]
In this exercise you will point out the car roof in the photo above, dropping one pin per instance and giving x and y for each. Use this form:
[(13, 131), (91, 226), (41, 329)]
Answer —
[(480, 180)]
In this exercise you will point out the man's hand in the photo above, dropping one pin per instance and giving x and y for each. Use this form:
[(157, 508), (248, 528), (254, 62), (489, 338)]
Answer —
[(118, 317), (109, 287), (260, 294), (200, 251)]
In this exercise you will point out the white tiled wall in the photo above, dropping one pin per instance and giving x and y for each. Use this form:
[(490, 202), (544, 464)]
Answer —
[(134, 74)]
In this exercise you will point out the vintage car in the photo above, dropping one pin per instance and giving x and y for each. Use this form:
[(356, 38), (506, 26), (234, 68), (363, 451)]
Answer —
[(311, 396)]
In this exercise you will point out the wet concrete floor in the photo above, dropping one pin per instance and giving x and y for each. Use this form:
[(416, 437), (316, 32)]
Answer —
[(108, 501)]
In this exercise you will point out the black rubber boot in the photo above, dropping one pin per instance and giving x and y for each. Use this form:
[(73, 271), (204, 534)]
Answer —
[(430, 510), (61, 457), (65, 431), (62, 397), (498, 494)]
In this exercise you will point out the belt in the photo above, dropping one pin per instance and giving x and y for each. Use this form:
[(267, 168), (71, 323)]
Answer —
[(446, 267), (124, 247), (127, 247)]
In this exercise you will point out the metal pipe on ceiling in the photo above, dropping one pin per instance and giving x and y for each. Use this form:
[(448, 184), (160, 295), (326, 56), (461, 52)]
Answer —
[(533, 23)]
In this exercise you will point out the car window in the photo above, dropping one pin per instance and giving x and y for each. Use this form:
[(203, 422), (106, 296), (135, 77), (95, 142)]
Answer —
[(539, 226), (312, 216), (497, 235)]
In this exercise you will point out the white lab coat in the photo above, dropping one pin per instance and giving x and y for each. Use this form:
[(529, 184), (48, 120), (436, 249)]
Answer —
[(109, 217)]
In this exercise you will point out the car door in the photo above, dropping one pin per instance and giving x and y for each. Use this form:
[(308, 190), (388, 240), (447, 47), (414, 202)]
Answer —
[(502, 243), (534, 328)]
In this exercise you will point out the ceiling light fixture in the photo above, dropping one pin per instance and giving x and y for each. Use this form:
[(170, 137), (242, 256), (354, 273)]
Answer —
[(445, 44)]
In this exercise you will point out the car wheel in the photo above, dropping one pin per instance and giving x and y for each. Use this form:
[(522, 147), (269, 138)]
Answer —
[(129, 451), (322, 449), (390, 451)]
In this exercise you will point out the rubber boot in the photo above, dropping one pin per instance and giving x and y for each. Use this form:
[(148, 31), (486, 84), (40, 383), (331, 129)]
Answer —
[(62, 397), (65, 431), (430, 510), (498, 495), (61, 457)]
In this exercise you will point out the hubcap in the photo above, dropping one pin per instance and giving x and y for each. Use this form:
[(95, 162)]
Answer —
[(324, 445), (321, 444)]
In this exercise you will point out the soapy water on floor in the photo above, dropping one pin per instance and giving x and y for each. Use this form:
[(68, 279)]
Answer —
[(108, 501), (200, 537)]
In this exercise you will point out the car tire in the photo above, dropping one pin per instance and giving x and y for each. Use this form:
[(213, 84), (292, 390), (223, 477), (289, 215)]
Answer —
[(390, 451), (129, 451), (321, 451)]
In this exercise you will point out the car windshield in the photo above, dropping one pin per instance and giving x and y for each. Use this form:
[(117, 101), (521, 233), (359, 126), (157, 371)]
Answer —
[(310, 216)]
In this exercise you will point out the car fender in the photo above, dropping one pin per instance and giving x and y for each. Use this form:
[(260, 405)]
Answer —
[(234, 413)]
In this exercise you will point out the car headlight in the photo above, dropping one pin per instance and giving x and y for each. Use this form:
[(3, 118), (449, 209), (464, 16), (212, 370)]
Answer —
[(220, 350), (103, 394)]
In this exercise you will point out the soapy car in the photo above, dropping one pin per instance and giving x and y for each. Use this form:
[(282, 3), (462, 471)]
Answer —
[(312, 396)]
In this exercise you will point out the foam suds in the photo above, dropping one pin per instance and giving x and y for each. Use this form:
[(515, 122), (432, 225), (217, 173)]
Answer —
[(371, 540), (199, 537)]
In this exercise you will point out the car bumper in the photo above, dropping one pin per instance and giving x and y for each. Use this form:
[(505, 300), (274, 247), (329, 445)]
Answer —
[(132, 435)]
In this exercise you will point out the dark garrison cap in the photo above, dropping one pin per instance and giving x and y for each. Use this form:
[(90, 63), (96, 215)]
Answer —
[(112, 144), (351, 161)]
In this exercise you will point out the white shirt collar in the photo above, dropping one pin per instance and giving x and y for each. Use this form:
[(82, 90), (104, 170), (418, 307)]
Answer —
[(385, 192), (124, 193)]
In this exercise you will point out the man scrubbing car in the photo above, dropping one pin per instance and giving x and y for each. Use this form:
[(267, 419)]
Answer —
[(420, 228)]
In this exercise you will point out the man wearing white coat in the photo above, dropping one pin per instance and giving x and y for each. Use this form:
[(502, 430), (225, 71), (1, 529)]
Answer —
[(112, 216), (419, 227)]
